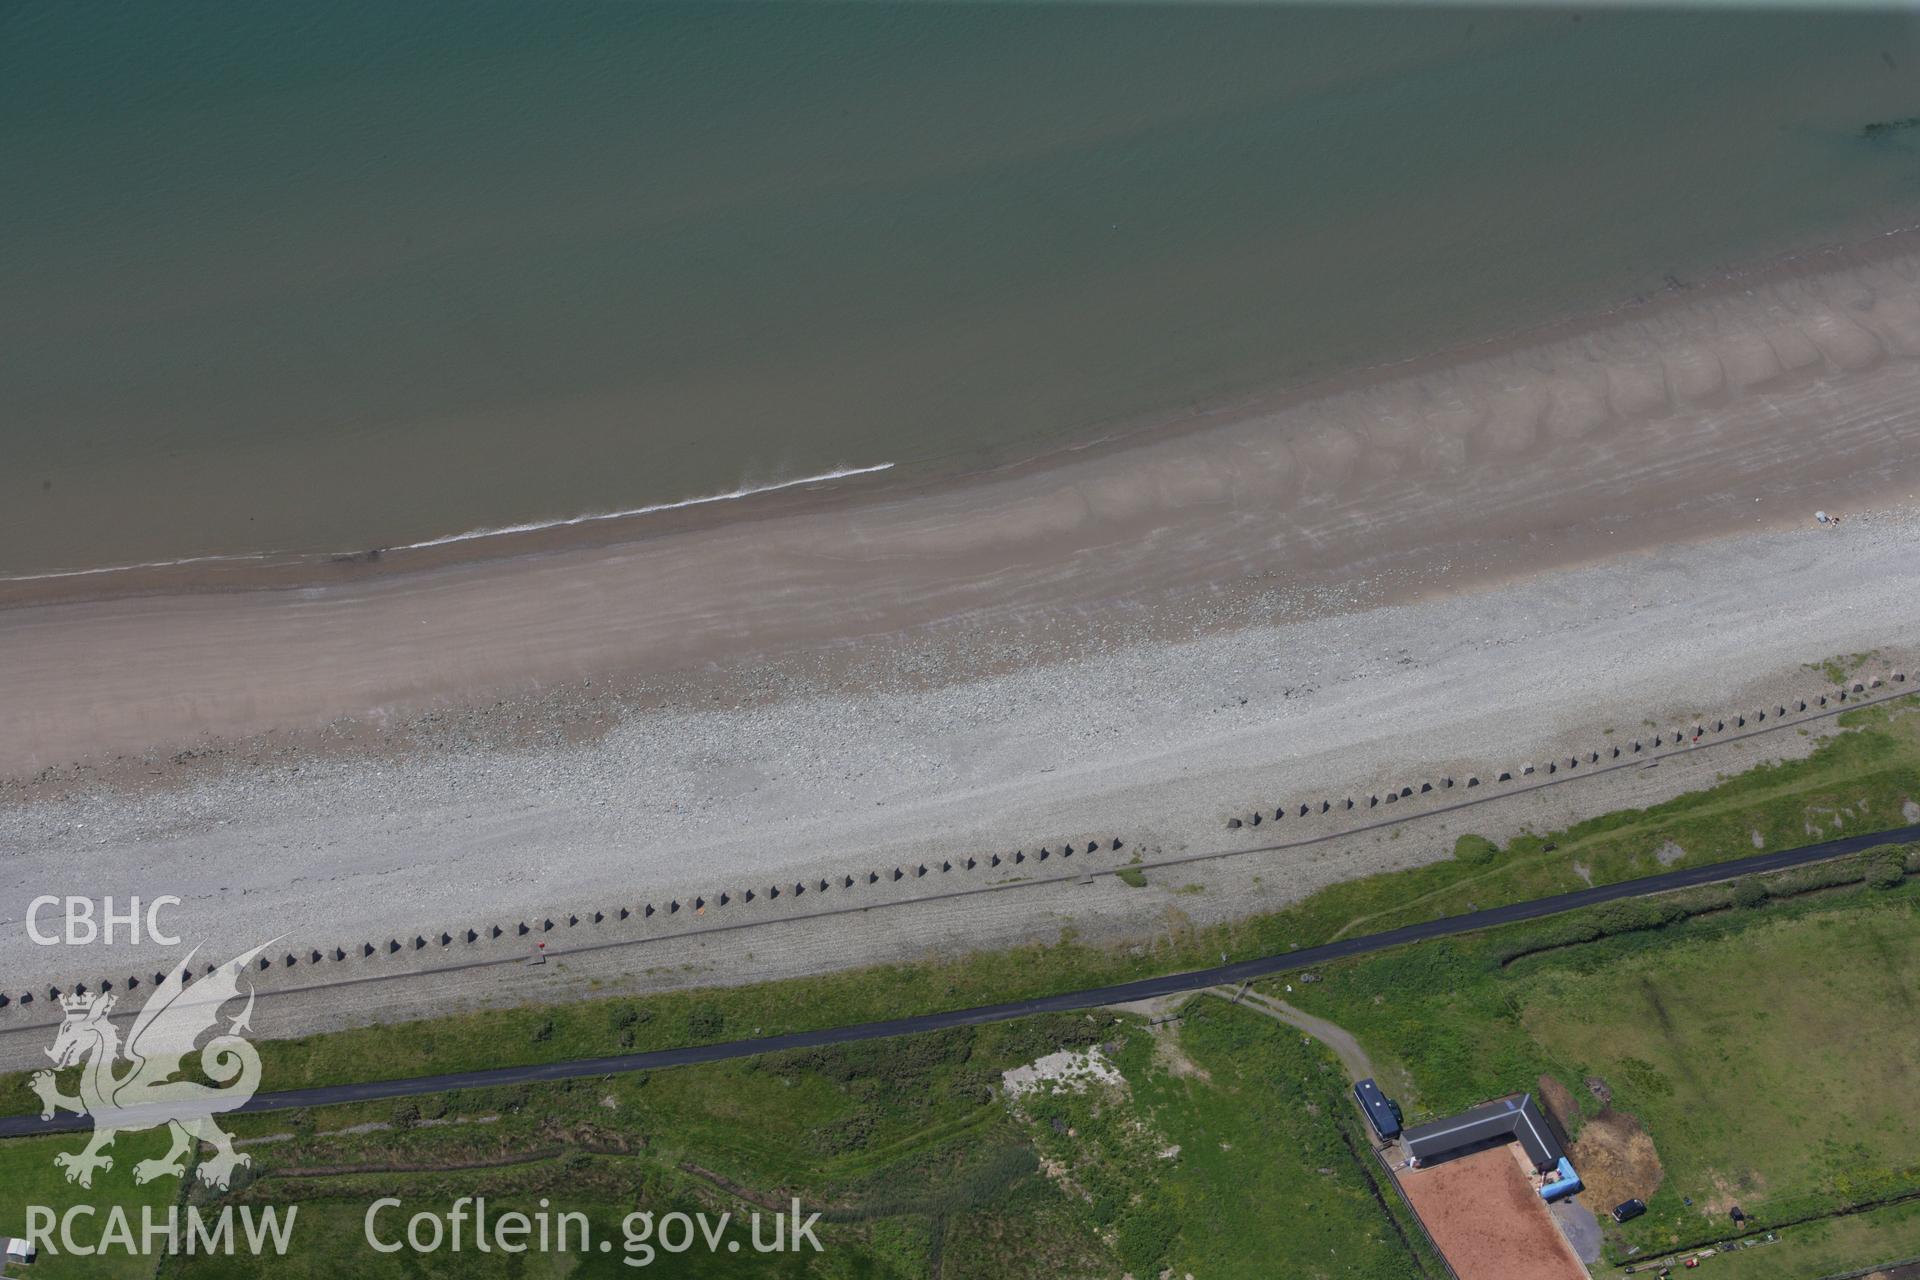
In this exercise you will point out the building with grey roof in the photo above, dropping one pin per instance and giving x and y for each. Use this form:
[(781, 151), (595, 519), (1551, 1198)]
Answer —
[(1509, 1119)]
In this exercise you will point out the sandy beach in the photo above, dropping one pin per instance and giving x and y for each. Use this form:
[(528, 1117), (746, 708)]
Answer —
[(1732, 413), (1431, 570), (1155, 743)]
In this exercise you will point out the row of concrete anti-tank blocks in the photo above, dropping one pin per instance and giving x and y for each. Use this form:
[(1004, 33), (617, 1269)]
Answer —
[(697, 905), (1676, 738)]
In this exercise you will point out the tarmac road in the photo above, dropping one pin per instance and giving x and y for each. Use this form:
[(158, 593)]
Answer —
[(1143, 989)]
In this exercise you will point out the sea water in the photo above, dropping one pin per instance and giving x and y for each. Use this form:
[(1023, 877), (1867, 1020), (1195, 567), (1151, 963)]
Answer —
[(349, 273)]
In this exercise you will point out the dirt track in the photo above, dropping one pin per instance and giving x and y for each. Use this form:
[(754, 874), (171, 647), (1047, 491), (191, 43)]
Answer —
[(1338, 1039)]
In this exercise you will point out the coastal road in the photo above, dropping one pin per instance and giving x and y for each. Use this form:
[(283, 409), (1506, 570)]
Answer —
[(1120, 993)]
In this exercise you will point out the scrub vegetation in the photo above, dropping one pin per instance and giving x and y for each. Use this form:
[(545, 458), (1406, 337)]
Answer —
[(1224, 1146)]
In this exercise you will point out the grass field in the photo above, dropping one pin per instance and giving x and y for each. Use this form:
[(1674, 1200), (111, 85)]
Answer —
[(1226, 1153), (28, 1177), (1233, 1154), (1768, 1050), (1773, 1064), (902, 1145), (1832, 1247)]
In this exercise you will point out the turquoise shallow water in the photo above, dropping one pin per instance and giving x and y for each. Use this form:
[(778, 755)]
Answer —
[(346, 274)]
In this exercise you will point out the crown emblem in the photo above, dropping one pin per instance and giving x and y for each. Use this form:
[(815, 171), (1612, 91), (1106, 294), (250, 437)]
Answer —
[(79, 1003)]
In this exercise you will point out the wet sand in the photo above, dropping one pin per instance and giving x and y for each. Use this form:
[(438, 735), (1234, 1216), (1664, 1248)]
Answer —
[(1736, 412)]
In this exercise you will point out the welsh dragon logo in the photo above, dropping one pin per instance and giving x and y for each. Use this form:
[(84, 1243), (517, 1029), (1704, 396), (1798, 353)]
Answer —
[(150, 1093)]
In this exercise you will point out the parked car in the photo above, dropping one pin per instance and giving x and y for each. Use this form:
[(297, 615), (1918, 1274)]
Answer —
[(1627, 1210)]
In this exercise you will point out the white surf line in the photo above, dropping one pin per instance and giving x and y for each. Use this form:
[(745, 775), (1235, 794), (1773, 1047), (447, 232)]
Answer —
[(147, 564), (472, 534), (594, 517)]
